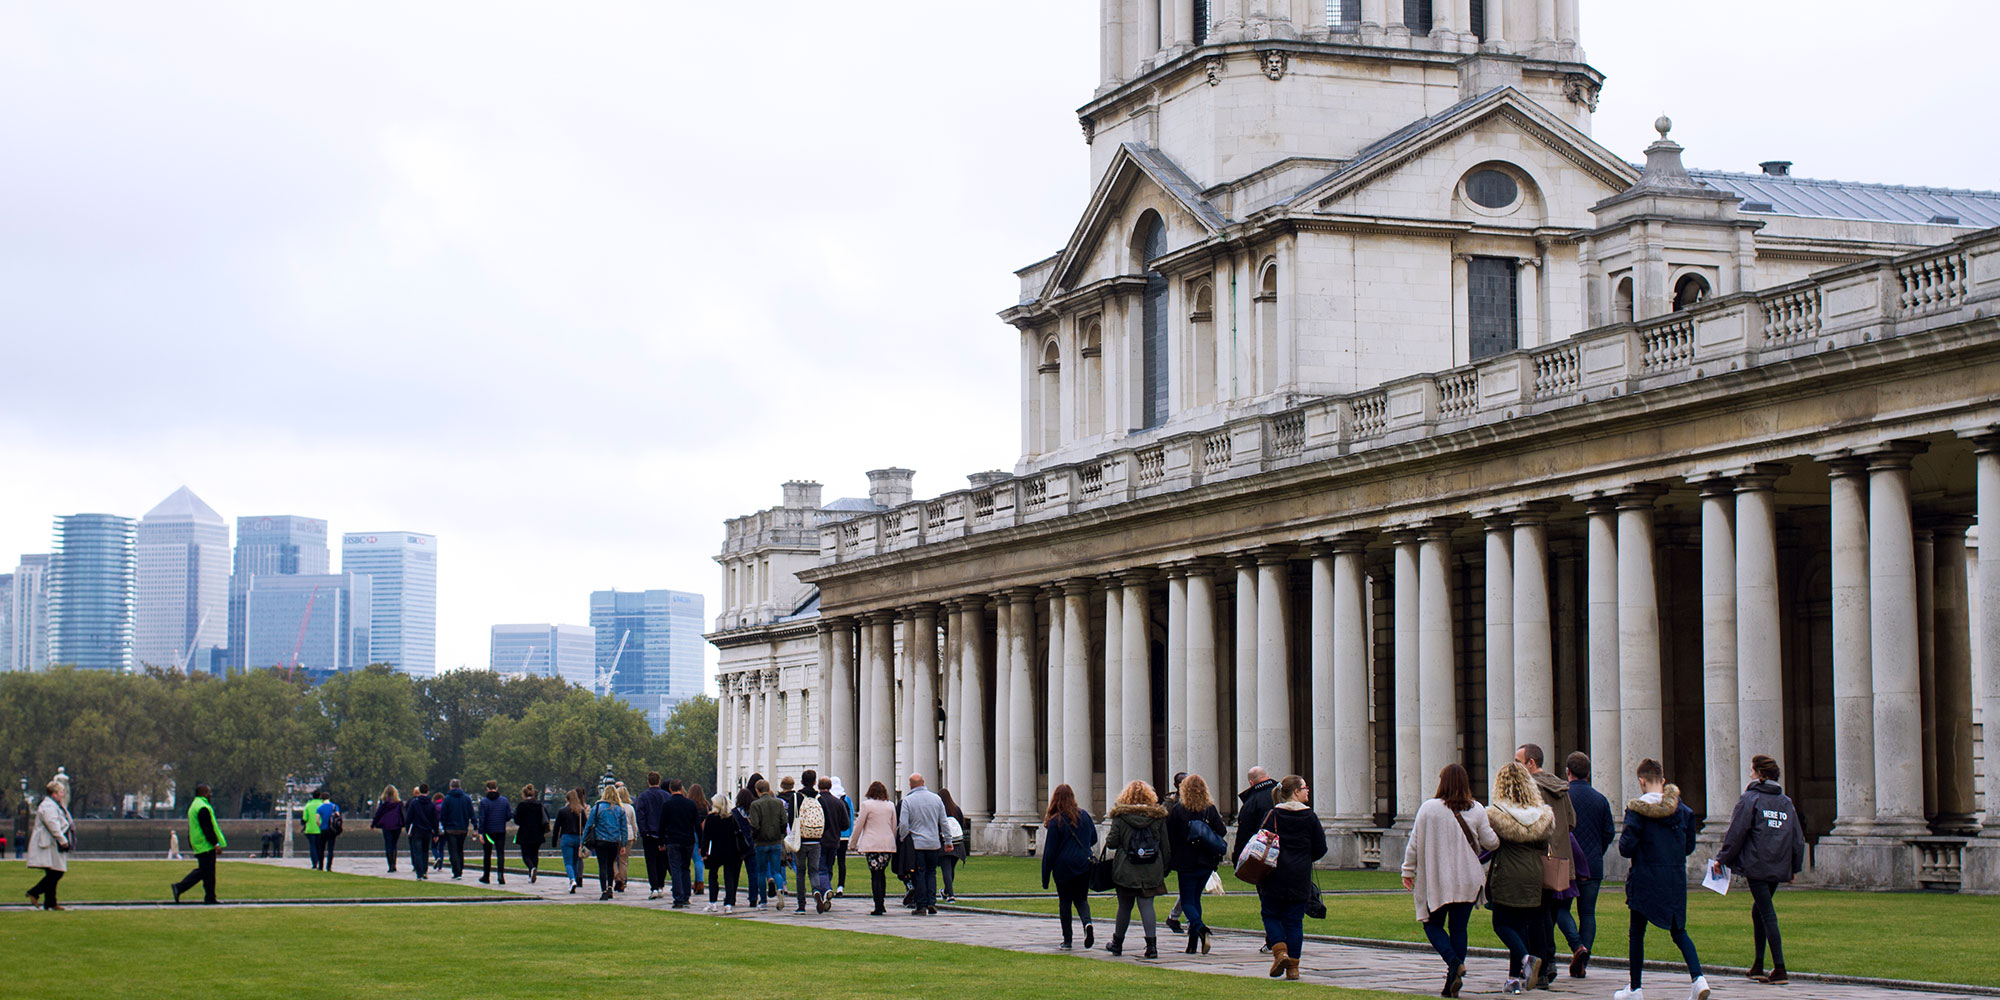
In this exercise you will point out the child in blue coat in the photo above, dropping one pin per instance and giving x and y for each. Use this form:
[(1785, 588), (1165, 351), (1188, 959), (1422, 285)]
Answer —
[(1658, 837)]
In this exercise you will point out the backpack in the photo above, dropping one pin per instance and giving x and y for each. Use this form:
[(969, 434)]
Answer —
[(812, 819), (334, 824), (1143, 846), (743, 842)]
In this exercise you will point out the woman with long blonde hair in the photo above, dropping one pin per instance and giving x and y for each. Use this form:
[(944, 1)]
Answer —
[(389, 820), (631, 834), (606, 831), (1194, 858)]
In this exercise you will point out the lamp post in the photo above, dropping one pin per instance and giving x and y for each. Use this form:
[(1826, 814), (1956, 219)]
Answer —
[(288, 817)]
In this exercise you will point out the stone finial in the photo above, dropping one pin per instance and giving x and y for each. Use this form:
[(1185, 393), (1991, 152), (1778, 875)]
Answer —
[(1663, 163), (1663, 125)]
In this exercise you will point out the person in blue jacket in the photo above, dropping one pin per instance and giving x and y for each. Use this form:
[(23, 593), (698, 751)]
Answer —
[(1658, 837), (420, 818), (494, 812), (1068, 834), (1594, 833), (455, 819)]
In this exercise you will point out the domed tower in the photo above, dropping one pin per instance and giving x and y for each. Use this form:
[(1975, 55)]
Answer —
[(1225, 88)]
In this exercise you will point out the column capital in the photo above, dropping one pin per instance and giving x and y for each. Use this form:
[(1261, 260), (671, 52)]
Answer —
[(1136, 577), (1714, 484), (1273, 555), (1175, 570), (1241, 558), (1757, 476), (970, 602), (1893, 455), (1493, 519), (829, 623), (1022, 595), (1202, 566), (1531, 512), (878, 617), (1110, 582), (1076, 586), (1350, 542), (1842, 463), (1403, 534), (1639, 495), (1947, 524), (923, 609), (1438, 528), (1985, 440)]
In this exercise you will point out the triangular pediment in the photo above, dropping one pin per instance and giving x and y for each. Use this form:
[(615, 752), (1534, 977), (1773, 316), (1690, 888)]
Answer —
[(1136, 173)]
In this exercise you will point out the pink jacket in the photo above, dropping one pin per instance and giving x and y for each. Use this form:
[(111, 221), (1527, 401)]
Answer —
[(874, 829)]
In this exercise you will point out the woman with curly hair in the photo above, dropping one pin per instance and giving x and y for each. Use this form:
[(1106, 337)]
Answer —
[(1514, 887), (1145, 854)]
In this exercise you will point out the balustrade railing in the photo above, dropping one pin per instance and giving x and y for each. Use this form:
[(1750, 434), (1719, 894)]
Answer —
[(1036, 493), (1090, 478), (1931, 284), (1458, 393), (1668, 347), (1791, 316), (1153, 466), (1215, 452), (1371, 414), (1288, 434), (1558, 371)]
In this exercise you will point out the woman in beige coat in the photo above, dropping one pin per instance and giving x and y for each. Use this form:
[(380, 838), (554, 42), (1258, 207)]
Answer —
[(48, 848), (874, 837), (1442, 870)]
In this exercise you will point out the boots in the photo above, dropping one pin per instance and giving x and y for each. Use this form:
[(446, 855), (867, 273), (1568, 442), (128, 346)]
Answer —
[(1117, 945), (1278, 959), (1194, 940), (1152, 947), (1292, 969)]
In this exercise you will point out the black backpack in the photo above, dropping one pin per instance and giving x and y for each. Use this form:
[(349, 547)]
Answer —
[(1143, 846), (334, 824)]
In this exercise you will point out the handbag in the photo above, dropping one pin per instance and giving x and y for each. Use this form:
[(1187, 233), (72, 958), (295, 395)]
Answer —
[(792, 839), (1101, 871), (1201, 835), (1260, 855), (1555, 873), (590, 838), (1316, 906), (953, 829)]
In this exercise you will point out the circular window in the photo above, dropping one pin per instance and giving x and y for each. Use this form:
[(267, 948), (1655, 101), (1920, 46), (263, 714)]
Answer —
[(1491, 189)]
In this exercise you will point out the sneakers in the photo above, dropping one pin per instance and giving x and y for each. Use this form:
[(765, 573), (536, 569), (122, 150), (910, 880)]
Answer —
[(1698, 990), (1629, 994), (840, 890), (655, 894), (1531, 972), (1512, 986), (1089, 935), (1776, 978), (728, 909), (174, 888), (1579, 962), (825, 901)]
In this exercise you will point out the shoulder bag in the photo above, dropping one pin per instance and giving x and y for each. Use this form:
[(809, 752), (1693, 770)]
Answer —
[(1260, 855), (1201, 835), (590, 838), (1484, 859)]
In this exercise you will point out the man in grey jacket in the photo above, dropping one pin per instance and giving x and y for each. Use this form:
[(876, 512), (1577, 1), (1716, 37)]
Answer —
[(923, 822)]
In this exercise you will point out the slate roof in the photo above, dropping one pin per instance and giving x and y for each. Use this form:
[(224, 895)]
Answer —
[(1805, 196), (860, 505)]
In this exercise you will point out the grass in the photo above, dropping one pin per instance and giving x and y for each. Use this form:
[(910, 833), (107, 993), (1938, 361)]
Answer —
[(539, 950), (994, 875), (1923, 936), (127, 881)]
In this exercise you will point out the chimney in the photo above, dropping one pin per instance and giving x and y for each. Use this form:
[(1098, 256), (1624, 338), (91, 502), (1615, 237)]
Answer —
[(981, 480), (802, 493), (1777, 168), (890, 487)]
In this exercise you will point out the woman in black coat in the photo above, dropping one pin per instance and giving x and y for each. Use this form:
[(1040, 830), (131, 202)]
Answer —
[(1194, 863), (1288, 889), (1658, 837), (531, 830), (1067, 837), (722, 850)]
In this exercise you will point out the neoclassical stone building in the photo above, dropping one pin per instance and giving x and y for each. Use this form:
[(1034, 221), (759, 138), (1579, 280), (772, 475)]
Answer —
[(1375, 417)]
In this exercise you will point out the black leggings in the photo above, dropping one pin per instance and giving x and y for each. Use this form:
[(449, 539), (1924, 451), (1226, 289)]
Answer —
[(607, 867), (389, 838), (46, 888), (717, 872), (531, 856), (1764, 923), (492, 847), (1073, 893), (1638, 949)]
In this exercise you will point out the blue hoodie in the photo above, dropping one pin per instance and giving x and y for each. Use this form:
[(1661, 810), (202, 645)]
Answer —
[(455, 812)]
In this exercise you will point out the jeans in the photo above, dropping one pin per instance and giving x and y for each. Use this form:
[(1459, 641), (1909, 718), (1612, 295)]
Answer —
[(655, 851), (1582, 931), (700, 866), (492, 847), (1192, 883), (1515, 927), (806, 861), (1073, 894), (1126, 898), (1446, 929), (607, 868), (948, 863), (389, 839), (572, 855), (454, 844), (326, 841), (767, 862), (437, 849), (420, 852), (925, 884), (1638, 952), (823, 871), (1764, 923), (204, 873), (677, 867), (1284, 923), (317, 849)]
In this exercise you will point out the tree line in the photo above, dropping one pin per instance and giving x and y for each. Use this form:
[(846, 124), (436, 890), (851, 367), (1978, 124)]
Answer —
[(154, 734)]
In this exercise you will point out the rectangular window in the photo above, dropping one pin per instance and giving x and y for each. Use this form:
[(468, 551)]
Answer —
[(1493, 302), (1417, 15), (1479, 19), (1343, 15), (1201, 22)]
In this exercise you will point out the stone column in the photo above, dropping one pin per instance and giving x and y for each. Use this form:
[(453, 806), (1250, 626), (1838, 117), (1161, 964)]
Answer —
[(1053, 685), (1244, 663), (1601, 573), (1354, 753), (1410, 790), (1177, 671), (1021, 769), (1641, 727), (1274, 689), (1114, 686), (1003, 707), (1321, 696), (1501, 683), (773, 726), (1437, 667), (1076, 762), (952, 695), (1136, 694), (1148, 38), (1722, 752), (844, 748), (1853, 669), (1953, 749), (725, 708), (1534, 644), (1986, 613), (922, 634), (752, 721), (1892, 643), (882, 734), (1204, 749), (1760, 694), (974, 794), (1183, 25)]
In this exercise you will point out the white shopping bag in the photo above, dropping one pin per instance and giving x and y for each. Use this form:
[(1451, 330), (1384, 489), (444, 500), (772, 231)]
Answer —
[(1214, 886), (1717, 879)]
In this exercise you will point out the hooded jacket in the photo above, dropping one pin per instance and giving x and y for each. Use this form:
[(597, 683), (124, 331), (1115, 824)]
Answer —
[(1252, 804), (1148, 879), (1066, 847), (1187, 856), (1555, 793), (1658, 837), (1516, 877), (1765, 840), (494, 812), (531, 823), (455, 812), (420, 816)]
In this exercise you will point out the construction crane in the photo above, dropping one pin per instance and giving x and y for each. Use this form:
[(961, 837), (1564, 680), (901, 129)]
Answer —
[(604, 676), (304, 620), (182, 665)]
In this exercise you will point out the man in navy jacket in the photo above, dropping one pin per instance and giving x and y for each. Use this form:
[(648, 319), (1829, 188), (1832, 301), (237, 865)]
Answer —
[(680, 823), (1594, 832), (420, 818), (455, 818), (649, 806)]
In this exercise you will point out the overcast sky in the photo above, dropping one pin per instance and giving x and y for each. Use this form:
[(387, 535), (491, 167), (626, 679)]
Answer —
[(567, 285)]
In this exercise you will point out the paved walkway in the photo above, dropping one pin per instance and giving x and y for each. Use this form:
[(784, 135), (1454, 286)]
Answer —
[(1357, 966)]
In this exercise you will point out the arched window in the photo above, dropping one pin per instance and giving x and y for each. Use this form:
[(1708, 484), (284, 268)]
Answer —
[(1051, 376), (1091, 360), (1152, 245), (1692, 288), (1621, 301), (1201, 346), (1267, 328)]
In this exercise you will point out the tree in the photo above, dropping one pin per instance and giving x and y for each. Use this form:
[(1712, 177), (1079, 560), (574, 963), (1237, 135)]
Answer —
[(685, 748), (566, 743), (245, 734), (103, 727), (369, 733), (457, 706)]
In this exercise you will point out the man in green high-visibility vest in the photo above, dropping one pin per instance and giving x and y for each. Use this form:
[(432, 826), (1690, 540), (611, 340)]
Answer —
[(205, 837)]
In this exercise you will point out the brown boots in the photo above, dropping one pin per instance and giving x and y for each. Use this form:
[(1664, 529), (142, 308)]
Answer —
[(1292, 969), (1282, 963)]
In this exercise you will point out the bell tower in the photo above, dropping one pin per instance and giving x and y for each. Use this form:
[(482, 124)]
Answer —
[(1226, 88)]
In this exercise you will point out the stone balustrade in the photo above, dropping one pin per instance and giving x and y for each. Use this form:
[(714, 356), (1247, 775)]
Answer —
[(1861, 303)]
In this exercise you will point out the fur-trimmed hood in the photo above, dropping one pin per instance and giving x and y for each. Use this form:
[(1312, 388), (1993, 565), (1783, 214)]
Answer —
[(1519, 825), (1137, 810), (1669, 803)]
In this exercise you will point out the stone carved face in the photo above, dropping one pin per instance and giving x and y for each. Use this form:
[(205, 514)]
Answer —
[(1274, 64)]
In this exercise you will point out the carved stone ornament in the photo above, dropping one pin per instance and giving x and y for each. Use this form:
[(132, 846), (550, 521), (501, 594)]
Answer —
[(1581, 89), (1089, 128), (1275, 61), (1214, 72)]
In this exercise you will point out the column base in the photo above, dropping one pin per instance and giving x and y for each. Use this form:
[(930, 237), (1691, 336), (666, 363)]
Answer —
[(1355, 843), (1957, 825), (1008, 834), (1863, 861)]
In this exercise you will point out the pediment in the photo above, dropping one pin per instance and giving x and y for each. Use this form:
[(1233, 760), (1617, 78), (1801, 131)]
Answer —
[(1137, 179)]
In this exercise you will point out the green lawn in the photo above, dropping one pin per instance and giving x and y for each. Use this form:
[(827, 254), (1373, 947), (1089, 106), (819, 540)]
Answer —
[(541, 950), (123, 881), (1932, 937), (987, 875)]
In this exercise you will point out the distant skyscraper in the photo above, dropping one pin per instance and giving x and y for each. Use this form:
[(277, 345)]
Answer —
[(324, 617), (565, 651), (182, 610), (28, 616), (6, 621), (92, 577), (280, 545), (660, 632), (403, 566)]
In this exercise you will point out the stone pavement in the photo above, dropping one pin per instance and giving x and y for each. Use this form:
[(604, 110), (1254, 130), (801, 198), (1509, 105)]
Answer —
[(1357, 966)]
